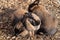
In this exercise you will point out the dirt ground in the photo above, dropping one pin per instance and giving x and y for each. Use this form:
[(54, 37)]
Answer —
[(52, 6)]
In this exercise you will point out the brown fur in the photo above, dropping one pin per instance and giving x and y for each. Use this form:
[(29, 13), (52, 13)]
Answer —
[(49, 22), (21, 30), (32, 24), (19, 13), (19, 26)]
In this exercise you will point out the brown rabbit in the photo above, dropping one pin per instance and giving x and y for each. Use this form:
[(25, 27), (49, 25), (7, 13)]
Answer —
[(18, 15), (48, 21)]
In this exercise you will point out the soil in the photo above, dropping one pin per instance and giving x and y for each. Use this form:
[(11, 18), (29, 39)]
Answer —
[(6, 29)]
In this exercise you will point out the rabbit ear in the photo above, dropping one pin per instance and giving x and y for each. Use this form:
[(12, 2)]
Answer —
[(35, 17), (30, 26)]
